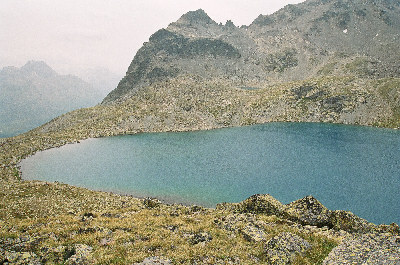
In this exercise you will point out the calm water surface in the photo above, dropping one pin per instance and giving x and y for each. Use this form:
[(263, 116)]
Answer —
[(345, 167)]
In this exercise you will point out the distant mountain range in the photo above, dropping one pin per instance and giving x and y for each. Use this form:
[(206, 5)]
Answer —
[(35, 93)]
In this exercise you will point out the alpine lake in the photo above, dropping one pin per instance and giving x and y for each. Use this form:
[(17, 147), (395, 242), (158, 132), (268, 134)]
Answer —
[(345, 167)]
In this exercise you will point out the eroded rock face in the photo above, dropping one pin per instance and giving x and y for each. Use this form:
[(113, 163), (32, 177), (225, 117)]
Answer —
[(283, 248)]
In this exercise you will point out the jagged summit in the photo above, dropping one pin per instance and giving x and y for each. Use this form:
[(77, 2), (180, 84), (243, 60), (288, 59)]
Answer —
[(195, 17), (310, 39)]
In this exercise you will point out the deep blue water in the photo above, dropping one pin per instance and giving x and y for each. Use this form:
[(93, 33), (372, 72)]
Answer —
[(345, 167)]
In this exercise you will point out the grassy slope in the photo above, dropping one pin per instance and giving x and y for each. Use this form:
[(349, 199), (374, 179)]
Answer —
[(187, 103)]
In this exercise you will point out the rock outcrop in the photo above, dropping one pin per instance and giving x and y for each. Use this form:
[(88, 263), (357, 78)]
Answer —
[(366, 249), (283, 248), (306, 211)]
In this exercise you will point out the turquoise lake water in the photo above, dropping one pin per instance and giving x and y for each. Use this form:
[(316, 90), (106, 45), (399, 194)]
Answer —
[(345, 167)]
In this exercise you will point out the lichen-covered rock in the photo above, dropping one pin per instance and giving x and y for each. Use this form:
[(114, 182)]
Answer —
[(197, 238), (21, 258), (20, 244), (80, 256), (232, 222), (253, 233), (366, 249), (283, 248), (56, 255), (244, 224), (155, 261), (151, 202), (344, 220), (258, 203), (393, 229), (308, 211), (262, 203)]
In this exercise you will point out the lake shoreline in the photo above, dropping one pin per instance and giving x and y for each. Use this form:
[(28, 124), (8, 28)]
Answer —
[(197, 148), (55, 202)]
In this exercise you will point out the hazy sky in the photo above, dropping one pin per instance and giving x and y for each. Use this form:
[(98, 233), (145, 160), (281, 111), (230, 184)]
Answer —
[(71, 35)]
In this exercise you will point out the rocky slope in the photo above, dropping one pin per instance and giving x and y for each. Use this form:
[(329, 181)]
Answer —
[(35, 93), (298, 42), (304, 63)]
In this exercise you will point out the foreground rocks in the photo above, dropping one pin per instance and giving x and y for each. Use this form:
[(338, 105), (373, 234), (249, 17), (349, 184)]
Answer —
[(283, 248), (307, 211), (259, 230), (366, 249)]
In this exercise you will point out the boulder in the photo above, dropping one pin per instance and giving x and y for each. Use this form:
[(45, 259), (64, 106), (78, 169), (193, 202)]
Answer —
[(253, 233), (259, 203), (283, 248), (308, 211), (244, 224), (347, 221), (197, 238)]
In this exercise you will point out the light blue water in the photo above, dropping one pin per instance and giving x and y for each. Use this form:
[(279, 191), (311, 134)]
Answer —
[(345, 167)]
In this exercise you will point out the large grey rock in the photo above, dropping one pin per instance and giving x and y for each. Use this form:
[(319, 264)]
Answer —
[(347, 221), (308, 211), (253, 233), (283, 248)]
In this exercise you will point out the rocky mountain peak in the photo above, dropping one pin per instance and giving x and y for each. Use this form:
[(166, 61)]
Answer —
[(195, 17), (38, 68), (298, 41)]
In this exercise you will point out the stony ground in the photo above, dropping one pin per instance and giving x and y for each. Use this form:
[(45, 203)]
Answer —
[(54, 223)]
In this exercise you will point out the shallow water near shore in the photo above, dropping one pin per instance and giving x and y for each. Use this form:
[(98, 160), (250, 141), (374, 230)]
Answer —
[(345, 167)]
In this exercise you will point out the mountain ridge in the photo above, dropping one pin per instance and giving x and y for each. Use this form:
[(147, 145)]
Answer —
[(291, 44)]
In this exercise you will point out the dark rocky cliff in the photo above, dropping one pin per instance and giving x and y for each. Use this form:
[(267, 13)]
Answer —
[(314, 38)]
